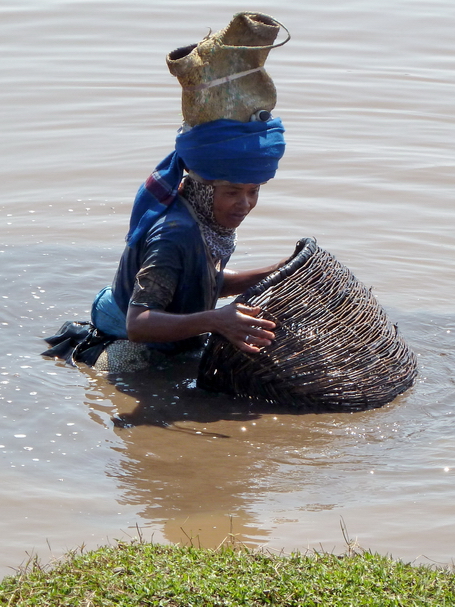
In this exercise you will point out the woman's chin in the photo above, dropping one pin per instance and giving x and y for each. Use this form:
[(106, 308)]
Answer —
[(233, 221)]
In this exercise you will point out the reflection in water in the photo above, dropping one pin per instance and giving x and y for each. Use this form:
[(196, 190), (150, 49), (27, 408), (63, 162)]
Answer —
[(191, 460), (168, 394)]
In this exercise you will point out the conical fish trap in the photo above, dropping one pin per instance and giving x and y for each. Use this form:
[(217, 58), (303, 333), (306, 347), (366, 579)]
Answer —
[(335, 347)]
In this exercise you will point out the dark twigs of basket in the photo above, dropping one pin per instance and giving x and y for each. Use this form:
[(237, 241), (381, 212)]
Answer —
[(335, 347)]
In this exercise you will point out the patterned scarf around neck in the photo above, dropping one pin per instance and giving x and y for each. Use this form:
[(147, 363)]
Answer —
[(220, 240)]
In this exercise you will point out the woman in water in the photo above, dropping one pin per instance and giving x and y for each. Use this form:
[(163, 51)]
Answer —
[(182, 234)]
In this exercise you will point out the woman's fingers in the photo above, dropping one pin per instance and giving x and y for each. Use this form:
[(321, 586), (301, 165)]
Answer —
[(253, 334), (258, 333), (253, 312), (252, 344), (258, 341), (240, 325)]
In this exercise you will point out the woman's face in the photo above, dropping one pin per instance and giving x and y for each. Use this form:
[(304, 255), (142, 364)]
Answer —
[(233, 202)]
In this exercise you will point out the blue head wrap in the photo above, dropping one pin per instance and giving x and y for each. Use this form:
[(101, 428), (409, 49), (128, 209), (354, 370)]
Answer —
[(228, 150)]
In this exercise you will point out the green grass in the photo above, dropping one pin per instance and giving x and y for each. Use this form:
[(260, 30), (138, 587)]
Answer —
[(141, 574)]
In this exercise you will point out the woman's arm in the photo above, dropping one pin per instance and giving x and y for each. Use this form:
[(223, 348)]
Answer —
[(236, 322), (238, 282)]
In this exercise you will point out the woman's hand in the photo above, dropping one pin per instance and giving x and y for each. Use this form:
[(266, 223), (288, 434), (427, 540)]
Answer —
[(236, 322), (239, 324)]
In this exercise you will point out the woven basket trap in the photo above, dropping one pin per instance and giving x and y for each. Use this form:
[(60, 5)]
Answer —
[(335, 347)]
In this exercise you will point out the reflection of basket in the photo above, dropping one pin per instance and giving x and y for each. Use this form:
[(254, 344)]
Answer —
[(335, 347)]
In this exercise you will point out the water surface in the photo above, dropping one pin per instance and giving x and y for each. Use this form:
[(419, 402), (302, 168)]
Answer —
[(365, 90)]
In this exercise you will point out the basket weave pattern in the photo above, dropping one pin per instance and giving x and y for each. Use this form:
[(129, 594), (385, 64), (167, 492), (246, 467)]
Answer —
[(335, 346)]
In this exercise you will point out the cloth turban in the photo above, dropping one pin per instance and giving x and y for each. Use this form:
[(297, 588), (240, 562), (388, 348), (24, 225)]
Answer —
[(227, 150)]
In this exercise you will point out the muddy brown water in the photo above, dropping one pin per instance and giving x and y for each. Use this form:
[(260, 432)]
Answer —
[(366, 92)]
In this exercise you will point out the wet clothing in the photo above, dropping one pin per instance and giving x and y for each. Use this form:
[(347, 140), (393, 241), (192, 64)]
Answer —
[(169, 269), (168, 264)]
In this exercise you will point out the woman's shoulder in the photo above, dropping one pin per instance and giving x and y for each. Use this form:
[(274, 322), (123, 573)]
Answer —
[(179, 213), (177, 224)]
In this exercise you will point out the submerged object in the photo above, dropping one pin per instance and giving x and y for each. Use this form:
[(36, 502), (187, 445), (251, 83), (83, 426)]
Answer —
[(223, 75), (335, 346)]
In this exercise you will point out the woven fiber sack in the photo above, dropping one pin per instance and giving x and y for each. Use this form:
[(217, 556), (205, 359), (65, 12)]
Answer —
[(335, 347), (223, 75)]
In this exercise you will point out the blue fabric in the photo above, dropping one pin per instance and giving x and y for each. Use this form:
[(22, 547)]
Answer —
[(228, 150), (239, 152), (152, 201), (173, 244), (107, 316)]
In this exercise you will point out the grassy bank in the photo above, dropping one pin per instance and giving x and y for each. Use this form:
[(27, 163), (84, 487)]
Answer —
[(140, 574)]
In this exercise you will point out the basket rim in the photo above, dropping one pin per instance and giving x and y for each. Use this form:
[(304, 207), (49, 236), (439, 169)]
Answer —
[(304, 249)]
